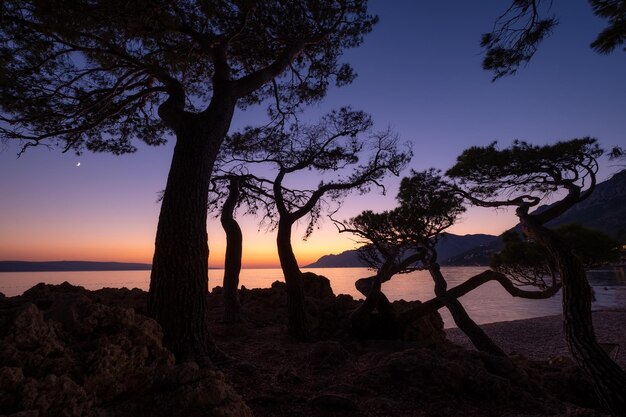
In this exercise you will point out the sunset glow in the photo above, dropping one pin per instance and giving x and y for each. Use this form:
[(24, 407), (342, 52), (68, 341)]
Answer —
[(103, 207)]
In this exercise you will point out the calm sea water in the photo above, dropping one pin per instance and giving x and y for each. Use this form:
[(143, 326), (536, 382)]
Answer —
[(489, 303)]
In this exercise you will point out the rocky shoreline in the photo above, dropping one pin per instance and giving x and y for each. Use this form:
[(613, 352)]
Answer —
[(66, 351)]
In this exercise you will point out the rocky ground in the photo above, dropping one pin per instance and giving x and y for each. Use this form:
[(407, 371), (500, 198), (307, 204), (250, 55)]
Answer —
[(66, 351)]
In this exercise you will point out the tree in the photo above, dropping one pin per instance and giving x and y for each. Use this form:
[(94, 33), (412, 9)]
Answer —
[(521, 176), (99, 75), (228, 192), (593, 248), (527, 263), (617, 153), (334, 144), (234, 250), (518, 32), (403, 240)]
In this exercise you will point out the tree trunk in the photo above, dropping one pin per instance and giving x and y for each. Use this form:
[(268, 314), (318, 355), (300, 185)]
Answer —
[(298, 326), (608, 378), (232, 259), (478, 337), (177, 298)]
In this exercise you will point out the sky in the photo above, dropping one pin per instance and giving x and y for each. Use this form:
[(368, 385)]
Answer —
[(419, 72)]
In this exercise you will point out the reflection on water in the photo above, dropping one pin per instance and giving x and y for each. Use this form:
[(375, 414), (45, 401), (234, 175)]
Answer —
[(489, 303)]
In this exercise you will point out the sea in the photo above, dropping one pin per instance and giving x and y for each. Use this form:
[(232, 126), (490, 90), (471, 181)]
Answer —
[(487, 304)]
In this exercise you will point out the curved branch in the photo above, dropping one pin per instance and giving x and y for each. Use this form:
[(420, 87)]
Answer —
[(478, 280)]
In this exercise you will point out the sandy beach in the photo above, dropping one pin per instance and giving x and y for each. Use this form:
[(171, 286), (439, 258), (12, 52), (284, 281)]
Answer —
[(543, 337)]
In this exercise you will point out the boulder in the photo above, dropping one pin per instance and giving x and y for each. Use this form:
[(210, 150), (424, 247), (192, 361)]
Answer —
[(65, 353), (316, 286)]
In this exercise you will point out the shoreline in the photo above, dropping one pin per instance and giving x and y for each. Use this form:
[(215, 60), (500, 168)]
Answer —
[(543, 338)]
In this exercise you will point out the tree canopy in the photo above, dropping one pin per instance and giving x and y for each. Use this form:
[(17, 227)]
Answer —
[(518, 31), (527, 262), (99, 75), (523, 175), (96, 74), (406, 235), (343, 142)]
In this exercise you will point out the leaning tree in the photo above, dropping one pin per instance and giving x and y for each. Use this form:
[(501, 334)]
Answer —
[(404, 239), (522, 176), (335, 145), (100, 75)]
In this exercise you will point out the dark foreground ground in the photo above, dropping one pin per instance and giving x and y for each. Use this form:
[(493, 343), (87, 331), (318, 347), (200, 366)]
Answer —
[(66, 351)]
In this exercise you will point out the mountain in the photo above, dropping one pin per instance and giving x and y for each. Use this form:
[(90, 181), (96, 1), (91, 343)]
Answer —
[(604, 210), (449, 245), (24, 266), (479, 255)]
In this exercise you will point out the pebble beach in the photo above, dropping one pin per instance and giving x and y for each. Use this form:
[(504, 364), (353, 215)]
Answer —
[(543, 338)]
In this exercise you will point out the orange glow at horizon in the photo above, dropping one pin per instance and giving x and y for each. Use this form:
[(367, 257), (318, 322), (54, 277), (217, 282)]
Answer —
[(259, 249)]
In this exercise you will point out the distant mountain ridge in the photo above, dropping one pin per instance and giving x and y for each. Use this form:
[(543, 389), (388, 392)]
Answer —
[(53, 266), (604, 210), (449, 245)]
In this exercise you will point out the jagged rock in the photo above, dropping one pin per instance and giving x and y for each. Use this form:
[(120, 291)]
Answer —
[(64, 353)]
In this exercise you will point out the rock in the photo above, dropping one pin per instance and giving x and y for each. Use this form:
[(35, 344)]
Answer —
[(246, 369), (428, 372), (316, 286), (426, 329), (289, 376), (334, 402), (64, 352), (327, 354)]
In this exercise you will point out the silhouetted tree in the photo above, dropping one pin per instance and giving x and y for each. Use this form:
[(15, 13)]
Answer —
[(99, 74), (526, 261), (234, 251), (403, 240), (333, 145), (228, 192), (617, 152), (518, 32), (521, 176), (592, 247)]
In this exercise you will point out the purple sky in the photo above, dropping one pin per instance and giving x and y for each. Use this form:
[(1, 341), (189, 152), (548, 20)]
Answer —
[(419, 72)]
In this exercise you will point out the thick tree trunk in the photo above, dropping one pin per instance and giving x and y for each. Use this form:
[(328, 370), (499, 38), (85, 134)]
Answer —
[(607, 378), (177, 298), (478, 337), (298, 326), (232, 259)]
